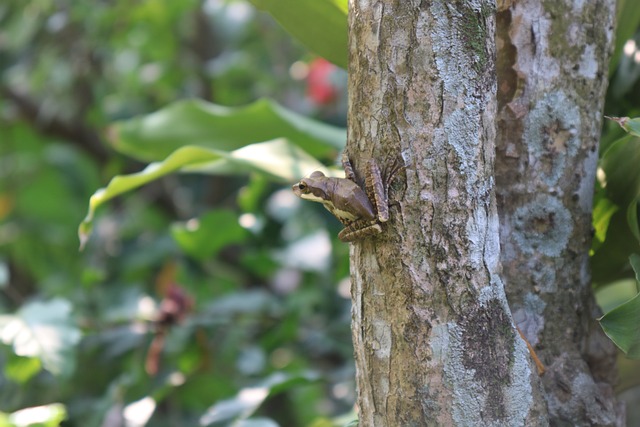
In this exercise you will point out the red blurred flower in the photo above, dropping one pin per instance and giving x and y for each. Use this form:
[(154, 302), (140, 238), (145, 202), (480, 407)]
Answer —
[(320, 87)]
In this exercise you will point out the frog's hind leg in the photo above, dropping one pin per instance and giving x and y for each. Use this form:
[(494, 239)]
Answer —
[(359, 230), (376, 190)]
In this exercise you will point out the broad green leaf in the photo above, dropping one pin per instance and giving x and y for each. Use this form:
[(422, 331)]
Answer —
[(622, 188), (278, 159), (198, 123), (321, 25), (203, 237), (44, 330), (622, 326)]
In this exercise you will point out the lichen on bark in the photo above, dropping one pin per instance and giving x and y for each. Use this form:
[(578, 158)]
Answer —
[(553, 57)]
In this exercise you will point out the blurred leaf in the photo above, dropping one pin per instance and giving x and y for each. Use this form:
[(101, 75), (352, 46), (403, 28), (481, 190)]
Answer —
[(21, 369), (321, 25), (39, 416), (204, 237), (627, 24), (622, 326), (250, 195), (627, 71), (246, 302), (249, 399), (278, 159), (256, 422), (602, 212), (193, 122), (44, 330)]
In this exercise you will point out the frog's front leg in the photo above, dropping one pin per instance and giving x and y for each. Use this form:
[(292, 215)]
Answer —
[(374, 185)]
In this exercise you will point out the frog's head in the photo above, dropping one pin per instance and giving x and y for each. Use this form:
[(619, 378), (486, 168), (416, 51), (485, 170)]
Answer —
[(313, 188)]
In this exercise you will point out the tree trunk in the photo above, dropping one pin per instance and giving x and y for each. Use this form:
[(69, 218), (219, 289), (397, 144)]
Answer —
[(552, 76), (433, 334)]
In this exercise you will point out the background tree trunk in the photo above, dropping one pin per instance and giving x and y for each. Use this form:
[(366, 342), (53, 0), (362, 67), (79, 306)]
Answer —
[(552, 76), (433, 335)]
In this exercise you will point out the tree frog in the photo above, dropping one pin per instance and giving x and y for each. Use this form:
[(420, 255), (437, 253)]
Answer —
[(362, 211)]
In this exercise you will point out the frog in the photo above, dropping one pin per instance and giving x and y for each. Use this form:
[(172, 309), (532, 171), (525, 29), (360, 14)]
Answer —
[(361, 209)]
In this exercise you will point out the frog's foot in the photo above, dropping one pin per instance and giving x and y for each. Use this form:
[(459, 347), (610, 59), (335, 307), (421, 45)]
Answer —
[(348, 169)]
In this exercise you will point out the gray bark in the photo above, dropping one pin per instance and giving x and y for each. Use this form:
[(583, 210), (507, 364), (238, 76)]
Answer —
[(433, 335), (552, 72)]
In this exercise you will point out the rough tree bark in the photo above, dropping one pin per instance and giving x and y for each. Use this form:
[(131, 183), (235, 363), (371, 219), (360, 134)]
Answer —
[(552, 76), (433, 335)]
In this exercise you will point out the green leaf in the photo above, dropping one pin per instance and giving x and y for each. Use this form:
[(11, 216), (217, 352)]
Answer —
[(202, 238), (320, 25), (279, 159), (615, 293), (44, 330), (194, 122), (622, 174), (621, 188), (21, 369), (602, 213), (622, 326), (250, 196), (632, 218), (610, 262)]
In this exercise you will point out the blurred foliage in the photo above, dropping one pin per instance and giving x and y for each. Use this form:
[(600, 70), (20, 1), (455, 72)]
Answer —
[(209, 298), (265, 340)]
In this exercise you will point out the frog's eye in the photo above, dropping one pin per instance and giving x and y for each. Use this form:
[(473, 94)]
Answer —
[(302, 186)]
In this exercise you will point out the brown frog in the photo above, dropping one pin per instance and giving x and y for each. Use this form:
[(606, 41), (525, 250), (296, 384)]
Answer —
[(362, 211)]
